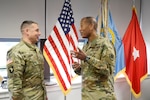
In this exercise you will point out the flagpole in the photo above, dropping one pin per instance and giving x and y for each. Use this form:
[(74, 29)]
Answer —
[(131, 96), (140, 14), (65, 97), (45, 17), (133, 2), (104, 13)]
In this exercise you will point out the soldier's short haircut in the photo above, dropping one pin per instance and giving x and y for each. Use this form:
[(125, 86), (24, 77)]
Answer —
[(91, 20), (26, 23)]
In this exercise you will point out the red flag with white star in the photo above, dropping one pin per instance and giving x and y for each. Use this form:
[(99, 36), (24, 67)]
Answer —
[(135, 55)]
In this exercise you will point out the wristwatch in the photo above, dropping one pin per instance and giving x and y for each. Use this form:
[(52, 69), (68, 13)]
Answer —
[(87, 58)]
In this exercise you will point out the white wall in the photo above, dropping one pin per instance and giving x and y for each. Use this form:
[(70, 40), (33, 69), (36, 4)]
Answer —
[(146, 27), (14, 12), (145, 19)]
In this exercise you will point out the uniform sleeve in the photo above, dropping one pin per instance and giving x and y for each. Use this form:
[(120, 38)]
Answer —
[(15, 69), (105, 65)]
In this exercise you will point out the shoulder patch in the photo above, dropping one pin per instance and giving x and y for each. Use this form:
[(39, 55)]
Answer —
[(11, 69)]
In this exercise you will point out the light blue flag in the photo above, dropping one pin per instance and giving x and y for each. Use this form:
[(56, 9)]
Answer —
[(115, 38)]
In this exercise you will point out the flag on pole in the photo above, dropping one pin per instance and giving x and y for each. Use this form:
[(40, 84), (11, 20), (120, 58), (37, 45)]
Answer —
[(135, 55), (115, 38), (113, 35), (56, 51)]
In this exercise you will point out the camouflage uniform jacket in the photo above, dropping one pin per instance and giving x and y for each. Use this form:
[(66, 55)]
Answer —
[(98, 70), (25, 69)]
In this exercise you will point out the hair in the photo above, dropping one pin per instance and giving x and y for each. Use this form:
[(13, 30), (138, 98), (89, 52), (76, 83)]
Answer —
[(26, 24), (91, 20)]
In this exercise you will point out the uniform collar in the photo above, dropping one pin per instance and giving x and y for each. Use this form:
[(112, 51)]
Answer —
[(93, 43), (32, 46)]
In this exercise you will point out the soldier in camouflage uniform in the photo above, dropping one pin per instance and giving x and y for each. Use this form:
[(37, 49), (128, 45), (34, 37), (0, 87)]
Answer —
[(97, 63), (25, 66)]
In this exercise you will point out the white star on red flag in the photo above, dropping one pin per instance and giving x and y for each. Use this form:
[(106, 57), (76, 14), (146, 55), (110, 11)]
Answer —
[(135, 53)]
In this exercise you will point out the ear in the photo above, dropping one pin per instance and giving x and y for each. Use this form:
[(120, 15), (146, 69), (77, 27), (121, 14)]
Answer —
[(91, 26), (26, 31)]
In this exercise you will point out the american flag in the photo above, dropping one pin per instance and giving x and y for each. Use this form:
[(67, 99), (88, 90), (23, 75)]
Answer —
[(58, 45)]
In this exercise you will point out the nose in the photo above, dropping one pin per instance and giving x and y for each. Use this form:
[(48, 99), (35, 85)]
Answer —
[(80, 30)]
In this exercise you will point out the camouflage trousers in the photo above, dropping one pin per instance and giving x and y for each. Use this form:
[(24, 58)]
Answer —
[(97, 95), (32, 95)]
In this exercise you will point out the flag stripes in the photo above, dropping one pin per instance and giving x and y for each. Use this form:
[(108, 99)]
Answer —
[(60, 42)]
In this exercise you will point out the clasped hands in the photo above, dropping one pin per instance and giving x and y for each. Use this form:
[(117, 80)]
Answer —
[(77, 54)]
